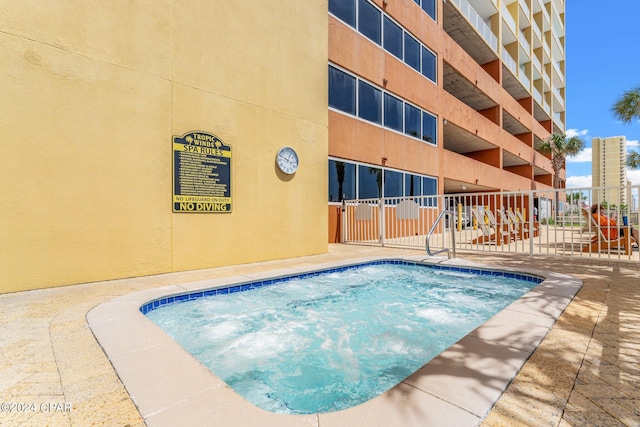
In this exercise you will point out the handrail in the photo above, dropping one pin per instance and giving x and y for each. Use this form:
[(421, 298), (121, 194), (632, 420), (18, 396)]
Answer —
[(453, 235)]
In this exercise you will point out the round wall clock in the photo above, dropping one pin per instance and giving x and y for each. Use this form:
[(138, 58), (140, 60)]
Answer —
[(287, 160)]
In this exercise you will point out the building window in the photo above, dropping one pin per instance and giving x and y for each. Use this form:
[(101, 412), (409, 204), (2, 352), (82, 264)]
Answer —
[(392, 38), (392, 112), (430, 188), (369, 102), (345, 10), (412, 185), (369, 21), (392, 184), (429, 64), (369, 182), (429, 6), (388, 110), (342, 181), (374, 182), (412, 121), (429, 128), (342, 91), (411, 52)]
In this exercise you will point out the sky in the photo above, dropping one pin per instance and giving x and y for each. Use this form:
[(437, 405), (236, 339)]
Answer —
[(602, 61)]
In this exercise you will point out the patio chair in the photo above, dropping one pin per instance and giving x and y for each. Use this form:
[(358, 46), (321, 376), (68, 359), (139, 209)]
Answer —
[(520, 228), (601, 242), (535, 225), (492, 232)]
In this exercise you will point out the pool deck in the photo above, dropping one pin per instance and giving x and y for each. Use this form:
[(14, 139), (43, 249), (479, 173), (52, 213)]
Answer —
[(586, 370)]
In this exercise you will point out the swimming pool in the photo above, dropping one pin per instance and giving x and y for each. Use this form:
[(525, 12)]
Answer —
[(326, 341), (458, 387)]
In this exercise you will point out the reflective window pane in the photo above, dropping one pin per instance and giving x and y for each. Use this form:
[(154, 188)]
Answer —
[(345, 10), (392, 38), (369, 102), (342, 181), (429, 6), (342, 91), (411, 52), (392, 112), (430, 188), (412, 185), (429, 128), (392, 184), (428, 64), (369, 182), (412, 121), (369, 21)]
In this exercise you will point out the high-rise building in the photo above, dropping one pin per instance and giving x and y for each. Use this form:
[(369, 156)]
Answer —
[(432, 97), (609, 168)]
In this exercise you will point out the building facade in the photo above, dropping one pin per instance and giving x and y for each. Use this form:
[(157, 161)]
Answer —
[(609, 168), (376, 97), (442, 97), (93, 96)]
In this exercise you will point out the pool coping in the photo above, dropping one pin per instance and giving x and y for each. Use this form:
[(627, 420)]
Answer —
[(458, 387)]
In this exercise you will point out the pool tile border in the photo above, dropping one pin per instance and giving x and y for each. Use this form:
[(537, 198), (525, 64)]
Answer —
[(242, 287), (459, 387)]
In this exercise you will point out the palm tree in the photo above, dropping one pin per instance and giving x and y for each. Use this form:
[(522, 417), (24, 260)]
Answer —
[(633, 160), (626, 108), (559, 146)]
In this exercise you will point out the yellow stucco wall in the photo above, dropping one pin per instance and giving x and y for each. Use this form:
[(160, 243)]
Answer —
[(91, 95)]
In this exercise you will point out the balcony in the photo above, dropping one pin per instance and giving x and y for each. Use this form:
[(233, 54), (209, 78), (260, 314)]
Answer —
[(508, 19), (468, 28), (509, 62), (525, 8), (524, 43)]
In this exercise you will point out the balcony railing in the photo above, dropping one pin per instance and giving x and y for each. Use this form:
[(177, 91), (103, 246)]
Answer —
[(506, 15), (476, 20), (537, 96), (526, 82), (509, 62), (525, 8), (525, 43)]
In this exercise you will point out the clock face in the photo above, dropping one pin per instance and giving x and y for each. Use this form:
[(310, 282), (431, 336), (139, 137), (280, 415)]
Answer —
[(287, 160)]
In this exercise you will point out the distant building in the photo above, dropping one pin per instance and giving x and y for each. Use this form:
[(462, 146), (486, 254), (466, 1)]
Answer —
[(608, 168)]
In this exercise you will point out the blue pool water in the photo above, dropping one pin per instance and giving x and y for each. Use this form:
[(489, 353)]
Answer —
[(332, 341)]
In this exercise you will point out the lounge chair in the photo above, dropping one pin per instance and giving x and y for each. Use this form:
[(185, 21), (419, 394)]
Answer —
[(600, 242), (525, 224), (492, 232), (520, 228)]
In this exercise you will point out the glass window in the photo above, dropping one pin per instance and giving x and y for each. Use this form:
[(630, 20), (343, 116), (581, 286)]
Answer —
[(369, 21), (392, 38), (428, 64), (430, 188), (392, 184), (345, 10), (342, 91), (412, 121), (369, 182), (412, 185), (429, 128), (392, 112), (429, 6), (342, 181), (411, 52), (369, 102), (417, 2)]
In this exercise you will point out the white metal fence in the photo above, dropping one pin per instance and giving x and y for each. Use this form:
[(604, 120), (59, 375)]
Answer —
[(554, 222)]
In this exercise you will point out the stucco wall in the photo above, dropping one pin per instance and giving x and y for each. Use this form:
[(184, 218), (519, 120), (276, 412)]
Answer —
[(91, 97)]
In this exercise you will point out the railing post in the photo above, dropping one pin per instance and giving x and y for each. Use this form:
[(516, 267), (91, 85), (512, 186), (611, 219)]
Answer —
[(382, 219)]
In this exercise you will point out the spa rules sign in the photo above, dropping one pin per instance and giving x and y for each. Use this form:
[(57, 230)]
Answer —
[(201, 173)]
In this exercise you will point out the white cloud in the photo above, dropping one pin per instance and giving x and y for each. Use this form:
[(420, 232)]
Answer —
[(633, 175), (583, 156), (633, 143), (576, 132), (579, 181)]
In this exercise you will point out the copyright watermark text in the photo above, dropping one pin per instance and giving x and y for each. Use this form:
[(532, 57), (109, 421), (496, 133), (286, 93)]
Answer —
[(35, 407)]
